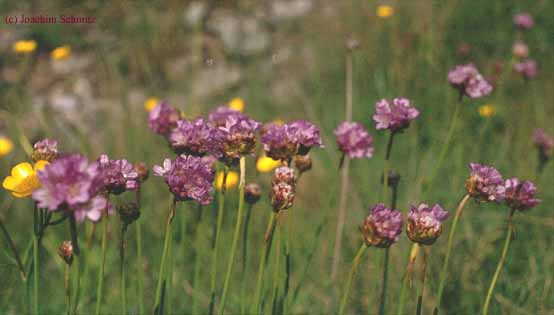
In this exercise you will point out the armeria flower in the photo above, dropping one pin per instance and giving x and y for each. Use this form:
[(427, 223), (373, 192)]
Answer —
[(353, 140), (469, 81), (306, 134), (520, 195), (196, 137), (118, 175), (544, 143), (129, 212), (282, 196), (46, 149), (252, 193), (72, 184), (188, 178), (425, 223), (485, 183), (266, 164), (163, 118), (524, 20), (236, 138), (6, 146), (23, 179), (527, 68), (230, 182), (279, 141), (218, 117), (61, 53), (382, 226), (394, 115), (284, 174), (520, 49)]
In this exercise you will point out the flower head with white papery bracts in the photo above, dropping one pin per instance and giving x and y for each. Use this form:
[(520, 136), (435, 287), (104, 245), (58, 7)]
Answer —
[(382, 226), (395, 114), (485, 183), (118, 175), (425, 223), (467, 79), (520, 195), (283, 188)]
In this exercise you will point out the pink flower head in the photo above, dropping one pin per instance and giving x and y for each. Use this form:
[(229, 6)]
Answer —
[(354, 140), (527, 68), (163, 118), (520, 195), (382, 226), (118, 175), (485, 183), (469, 81), (524, 20), (394, 115)]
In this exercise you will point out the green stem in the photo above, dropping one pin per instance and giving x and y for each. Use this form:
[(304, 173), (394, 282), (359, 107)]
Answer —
[(236, 236), (138, 226), (355, 265), (100, 288), (220, 209), (444, 270), (422, 288), (67, 286), (35, 274), (384, 282), (276, 268), (268, 238), (288, 259), (169, 277), (77, 262), (409, 267), (12, 247), (167, 239), (245, 256), (122, 272), (500, 264)]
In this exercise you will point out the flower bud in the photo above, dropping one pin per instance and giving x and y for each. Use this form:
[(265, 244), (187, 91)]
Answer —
[(142, 170), (393, 179), (303, 163), (252, 193), (46, 149), (520, 49), (128, 212), (282, 196), (284, 174), (65, 251)]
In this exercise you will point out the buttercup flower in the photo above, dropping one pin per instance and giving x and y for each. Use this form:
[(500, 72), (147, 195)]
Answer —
[(61, 53), (6, 146), (306, 134), (118, 175), (23, 179), (524, 20), (230, 182), (72, 184), (150, 103), (425, 223), (394, 115), (237, 104), (24, 46), (218, 117), (353, 140), (485, 183), (520, 49), (163, 118), (382, 226), (196, 137), (384, 11), (469, 81), (520, 195), (188, 178), (486, 110), (252, 193), (528, 68), (544, 143), (266, 164), (236, 137), (46, 149)]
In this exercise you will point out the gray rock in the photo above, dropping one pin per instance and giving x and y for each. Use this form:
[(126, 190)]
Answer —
[(194, 13), (281, 10), (240, 35), (216, 79)]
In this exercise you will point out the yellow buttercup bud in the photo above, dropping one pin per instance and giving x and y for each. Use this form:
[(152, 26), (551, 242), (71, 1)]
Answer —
[(6, 146)]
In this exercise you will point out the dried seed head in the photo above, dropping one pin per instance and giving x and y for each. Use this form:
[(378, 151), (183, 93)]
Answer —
[(252, 193), (65, 251), (303, 163)]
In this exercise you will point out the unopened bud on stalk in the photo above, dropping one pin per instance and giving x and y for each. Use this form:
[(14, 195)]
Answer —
[(252, 193), (66, 252), (352, 44), (303, 163), (128, 212), (393, 179), (142, 170)]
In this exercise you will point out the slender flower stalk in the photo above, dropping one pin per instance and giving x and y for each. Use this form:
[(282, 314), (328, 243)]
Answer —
[(36, 263), (236, 235), (268, 239), (77, 261), (355, 265), (122, 272), (421, 289), (100, 288), (276, 271), (252, 194), (140, 271), (167, 239), (406, 277), (12, 247), (67, 286), (215, 252)]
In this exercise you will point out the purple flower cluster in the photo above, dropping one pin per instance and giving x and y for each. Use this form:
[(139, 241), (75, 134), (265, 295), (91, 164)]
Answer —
[(283, 188), (527, 68), (353, 140), (469, 81), (394, 115), (197, 137), (282, 142), (382, 226), (544, 143), (46, 149), (163, 118), (219, 116), (188, 178), (520, 195), (72, 184), (118, 175), (485, 183), (524, 20), (425, 223), (236, 137)]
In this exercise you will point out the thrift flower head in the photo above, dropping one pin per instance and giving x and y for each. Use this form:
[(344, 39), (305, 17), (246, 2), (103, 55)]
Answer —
[(469, 81), (485, 183), (425, 223), (394, 115), (218, 117), (527, 68), (230, 182), (353, 140), (520, 195), (61, 53), (24, 46), (188, 178), (486, 110), (23, 179), (236, 138), (6, 146), (284, 174), (46, 149), (150, 103), (382, 226), (279, 141), (118, 175), (163, 118), (282, 196), (384, 11), (524, 20), (237, 104), (520, 49), (72, 184), (544, 143), (252, 193), (306, 134), (196, 137), (266, 164)]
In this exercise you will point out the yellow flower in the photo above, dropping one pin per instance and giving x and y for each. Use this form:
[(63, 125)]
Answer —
[(237, 104), (23, 179), (278, 122), (61, 53), (230, 182), (24, 46), (384, 11), (6, 146), (486, 110), (150, 103), (266, 164)]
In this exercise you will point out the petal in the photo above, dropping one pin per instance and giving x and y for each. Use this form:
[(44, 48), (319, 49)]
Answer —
[(22, 195), (22, 170), (10, 183)]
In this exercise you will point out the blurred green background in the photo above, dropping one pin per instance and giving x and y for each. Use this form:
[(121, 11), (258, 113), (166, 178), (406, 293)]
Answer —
[(286, 59)]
